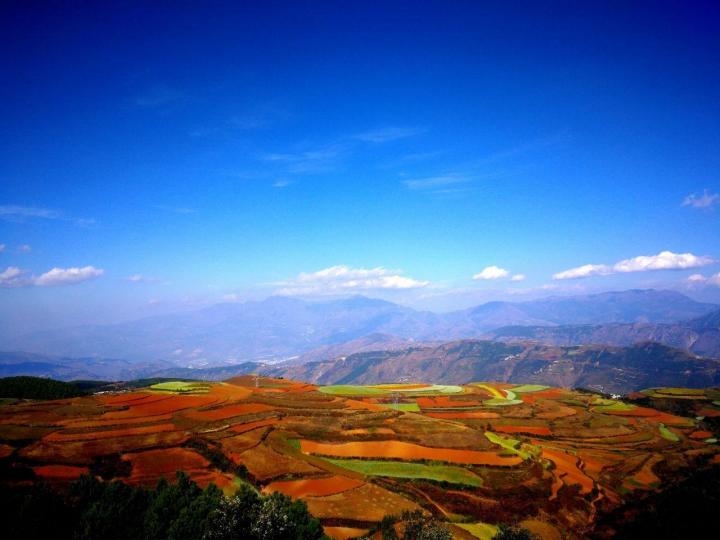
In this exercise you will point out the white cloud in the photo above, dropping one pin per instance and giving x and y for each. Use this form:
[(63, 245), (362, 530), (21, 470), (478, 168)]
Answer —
[(706, 200), (665, 260), (2, 247), (342, 279), (21, 214), (699, 279), (25, 248), (12, 276), (388, 134), (281, 183), (66, 276), (231, 298), (491, 272), (434, 182), (518, 277), (586, 270)]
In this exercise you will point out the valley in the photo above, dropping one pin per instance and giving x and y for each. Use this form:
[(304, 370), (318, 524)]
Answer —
[(474, 455)]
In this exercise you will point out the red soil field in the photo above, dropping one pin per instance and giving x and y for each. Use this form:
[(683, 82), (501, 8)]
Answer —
[(59, 472), (462, 414), (153, 464), (96, 435), (344, 533), (166, 404), (5, 450), (81, 423), (314, 487), (363, 405), (701, 435), (567, 470), (229, 411), (445, 402), (363, 431), (249, 426), (710, 413), (409, 451), (532, 430)]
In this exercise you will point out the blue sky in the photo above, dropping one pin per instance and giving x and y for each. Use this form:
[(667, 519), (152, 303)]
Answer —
[(172, 155)]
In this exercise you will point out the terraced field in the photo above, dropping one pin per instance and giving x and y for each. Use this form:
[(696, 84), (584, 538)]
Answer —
[(476, 455)]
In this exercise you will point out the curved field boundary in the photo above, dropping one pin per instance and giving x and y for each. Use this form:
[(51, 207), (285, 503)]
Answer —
[(460, 415), (111, 434), (59, 472), (314, 487), (400, 469), (229, 411), (408, 451), (531, 430), (249, 426)]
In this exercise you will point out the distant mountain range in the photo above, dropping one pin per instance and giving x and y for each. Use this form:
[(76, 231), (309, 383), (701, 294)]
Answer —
[(281, 328), (700, 336), (609, 369)]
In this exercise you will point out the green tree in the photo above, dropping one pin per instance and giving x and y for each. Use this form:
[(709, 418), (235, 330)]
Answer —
[(419, 526)]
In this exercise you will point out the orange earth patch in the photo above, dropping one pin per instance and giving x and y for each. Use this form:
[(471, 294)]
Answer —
[(701, 435), (568, 471), (344, 533), (110, 434), (59, 472), (448, 415), (314, 487), (710, 413), (153, 464), (532, 430), (444, 402), (229, 411), (404, 450), (249, 426)]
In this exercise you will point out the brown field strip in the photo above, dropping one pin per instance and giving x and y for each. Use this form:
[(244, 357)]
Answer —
[(314, 487), (97, 435), (228, 411), (408, 451)]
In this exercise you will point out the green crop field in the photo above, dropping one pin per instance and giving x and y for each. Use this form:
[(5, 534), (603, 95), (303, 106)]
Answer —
[(667, 434), (480, 530), (501, 402), (530, 388), (511, 445), (400, 469), (406, 407), (353, 390), (182, 387)]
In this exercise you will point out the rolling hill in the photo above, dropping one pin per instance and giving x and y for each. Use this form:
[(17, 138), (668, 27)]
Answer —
[(281, 328)]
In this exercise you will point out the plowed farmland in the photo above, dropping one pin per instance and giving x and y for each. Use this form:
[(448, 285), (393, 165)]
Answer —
[(478, 455)]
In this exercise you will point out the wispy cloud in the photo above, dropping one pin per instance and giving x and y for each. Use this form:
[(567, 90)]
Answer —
[(706, 201), (388, 134), (2, 248), (24, 248), (665, 260), (435, 182), (15, 277), (343, 279), (491, 272), (699, 279), (281, 183), (313, 160), (21, 214), (176, 209)]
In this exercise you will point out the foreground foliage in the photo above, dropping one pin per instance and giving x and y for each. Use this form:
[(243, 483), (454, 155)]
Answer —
[(92, 509), (25, 387)]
